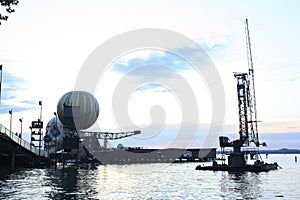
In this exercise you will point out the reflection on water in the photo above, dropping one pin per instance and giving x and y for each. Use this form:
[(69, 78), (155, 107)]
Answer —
[(24, 184), (68, 183), (71, 183), (242, 185), (4, 172), (140, 181)]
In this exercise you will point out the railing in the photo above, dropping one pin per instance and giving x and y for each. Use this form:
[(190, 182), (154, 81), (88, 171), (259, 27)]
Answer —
[(22, 142)]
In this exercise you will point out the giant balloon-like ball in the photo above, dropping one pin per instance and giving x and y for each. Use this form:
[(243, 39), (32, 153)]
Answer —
[(54, 129), (78, 110)]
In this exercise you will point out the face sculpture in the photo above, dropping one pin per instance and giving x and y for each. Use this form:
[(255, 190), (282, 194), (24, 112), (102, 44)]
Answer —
[(54, 135)]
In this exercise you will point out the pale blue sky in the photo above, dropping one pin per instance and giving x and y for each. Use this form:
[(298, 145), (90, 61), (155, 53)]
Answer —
[(44, 44)]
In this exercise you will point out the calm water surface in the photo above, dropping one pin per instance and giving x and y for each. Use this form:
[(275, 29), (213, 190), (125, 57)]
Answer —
[(153, 181)]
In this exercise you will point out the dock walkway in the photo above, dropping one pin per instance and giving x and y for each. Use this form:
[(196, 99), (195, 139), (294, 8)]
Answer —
[(15, 151)]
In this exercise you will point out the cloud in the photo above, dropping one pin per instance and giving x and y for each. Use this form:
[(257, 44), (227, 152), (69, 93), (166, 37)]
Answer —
[(169, 136), (10, 94), (153, 87), (156, 65), (152, 72), (211, 48), (172, 135), (216, 50), (154, 57)]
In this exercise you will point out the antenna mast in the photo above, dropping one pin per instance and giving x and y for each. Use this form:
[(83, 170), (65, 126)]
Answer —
[(252, 99)]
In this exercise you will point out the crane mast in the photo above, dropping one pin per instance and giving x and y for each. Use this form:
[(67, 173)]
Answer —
[(252, 99), (248, 129)]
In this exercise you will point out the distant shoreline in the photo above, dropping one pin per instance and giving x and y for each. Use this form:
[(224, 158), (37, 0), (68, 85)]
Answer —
[(278, 151)]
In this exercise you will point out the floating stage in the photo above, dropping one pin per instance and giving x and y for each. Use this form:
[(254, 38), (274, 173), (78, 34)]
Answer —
[(133, 155), (256, 167)]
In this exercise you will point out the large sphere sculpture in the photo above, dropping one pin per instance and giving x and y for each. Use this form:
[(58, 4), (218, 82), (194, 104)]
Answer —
[(54, 129), (78, 110)]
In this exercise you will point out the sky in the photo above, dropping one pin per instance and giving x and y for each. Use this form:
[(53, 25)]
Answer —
[(44, 45)]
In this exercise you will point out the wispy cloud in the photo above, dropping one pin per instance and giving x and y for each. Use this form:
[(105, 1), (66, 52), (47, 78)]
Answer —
[(154, 87), (154, 57), (155, 65), (11, 87), (216, 51)]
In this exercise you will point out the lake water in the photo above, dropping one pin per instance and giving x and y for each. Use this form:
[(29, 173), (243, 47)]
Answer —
[(153, 181)]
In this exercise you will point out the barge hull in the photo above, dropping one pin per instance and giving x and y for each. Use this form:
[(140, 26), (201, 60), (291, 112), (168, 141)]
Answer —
[(139, 155), (242, 168)]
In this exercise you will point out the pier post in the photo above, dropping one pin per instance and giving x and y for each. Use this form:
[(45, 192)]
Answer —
[(12, 160)]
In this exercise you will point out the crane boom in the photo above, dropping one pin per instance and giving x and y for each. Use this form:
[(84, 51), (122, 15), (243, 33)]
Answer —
[(252, 98), (107, 135)]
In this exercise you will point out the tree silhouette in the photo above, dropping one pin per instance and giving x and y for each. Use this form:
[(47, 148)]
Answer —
[(8, 7)]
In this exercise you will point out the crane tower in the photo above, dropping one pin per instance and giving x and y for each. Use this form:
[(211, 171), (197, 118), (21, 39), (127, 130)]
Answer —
[(248, 128)]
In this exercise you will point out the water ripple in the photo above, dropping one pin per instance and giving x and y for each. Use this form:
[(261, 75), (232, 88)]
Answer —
[(174, 181)]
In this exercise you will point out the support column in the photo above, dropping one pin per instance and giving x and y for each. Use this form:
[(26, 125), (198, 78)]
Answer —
[(12, 160)]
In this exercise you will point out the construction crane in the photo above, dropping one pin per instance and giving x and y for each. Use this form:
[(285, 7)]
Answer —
[(248, 128), (93, 137)]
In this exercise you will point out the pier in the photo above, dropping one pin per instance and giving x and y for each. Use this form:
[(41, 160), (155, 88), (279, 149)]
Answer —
[(16, 152)]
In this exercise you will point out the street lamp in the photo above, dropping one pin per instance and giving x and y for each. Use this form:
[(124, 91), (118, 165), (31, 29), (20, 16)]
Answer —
[(10, 126), (55, 114), (40, 130), (40, 103), (21, 120)]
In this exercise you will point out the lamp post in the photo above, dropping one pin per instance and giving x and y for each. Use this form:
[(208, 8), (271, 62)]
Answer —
[(21, 121), (30, 136), (55, 114), (10, 126), (40, 131), (40, 103)]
